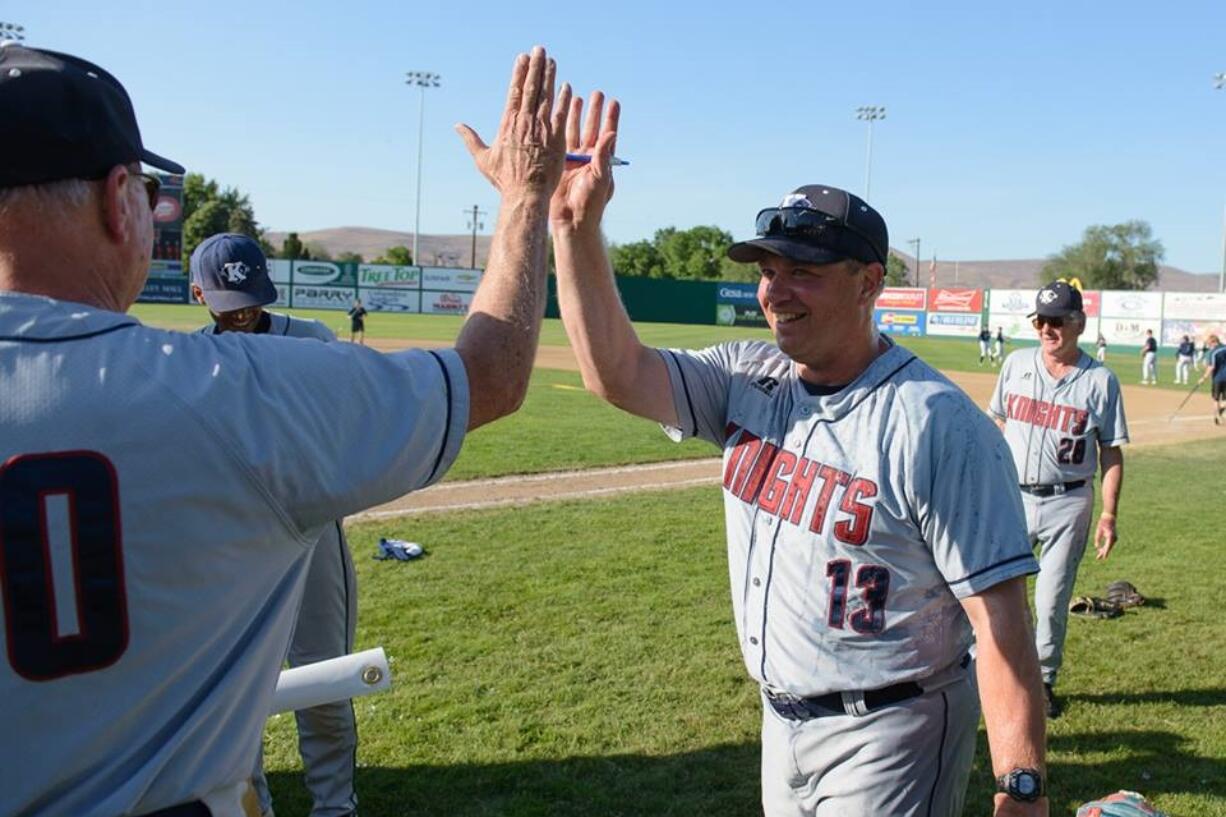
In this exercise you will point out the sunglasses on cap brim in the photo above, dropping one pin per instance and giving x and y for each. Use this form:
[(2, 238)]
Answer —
[(802, 222)]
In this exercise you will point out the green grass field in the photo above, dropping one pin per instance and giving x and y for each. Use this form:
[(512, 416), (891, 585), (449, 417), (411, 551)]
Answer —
[(561, 426), (558, 660)]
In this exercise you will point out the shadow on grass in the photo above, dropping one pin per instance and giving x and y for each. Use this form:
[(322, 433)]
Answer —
[(723, 781), (1183, 697)]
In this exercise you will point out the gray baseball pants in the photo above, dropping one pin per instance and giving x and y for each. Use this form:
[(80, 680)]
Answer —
[(910, 759), (1059, 526), (327, 735)]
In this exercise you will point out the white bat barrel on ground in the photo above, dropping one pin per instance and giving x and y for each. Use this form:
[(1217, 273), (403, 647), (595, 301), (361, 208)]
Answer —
[(336, 679)]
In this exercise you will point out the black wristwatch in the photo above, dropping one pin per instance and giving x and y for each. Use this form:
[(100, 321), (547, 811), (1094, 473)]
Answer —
[(1025, 785)]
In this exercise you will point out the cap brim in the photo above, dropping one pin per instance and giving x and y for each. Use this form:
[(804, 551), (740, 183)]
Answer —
[(1052, 312), (748, 252), (225, 300), (161, 162)]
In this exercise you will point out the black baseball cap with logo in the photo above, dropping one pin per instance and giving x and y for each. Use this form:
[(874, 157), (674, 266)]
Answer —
[(818, 224), (1057, 300), (62, 117), (232, 273)]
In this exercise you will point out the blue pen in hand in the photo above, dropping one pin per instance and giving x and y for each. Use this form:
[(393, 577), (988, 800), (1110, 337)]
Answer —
[(584, 158)]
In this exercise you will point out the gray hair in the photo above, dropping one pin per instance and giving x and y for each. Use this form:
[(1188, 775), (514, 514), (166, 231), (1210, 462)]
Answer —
[(51, 197)]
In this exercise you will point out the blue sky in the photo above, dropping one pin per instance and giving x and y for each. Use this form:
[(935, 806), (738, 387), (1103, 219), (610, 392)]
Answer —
[(1009, 129)]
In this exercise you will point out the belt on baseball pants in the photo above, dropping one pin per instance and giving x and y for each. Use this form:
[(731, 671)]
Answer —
[(193, 809), (1052, 490), (796, 708)]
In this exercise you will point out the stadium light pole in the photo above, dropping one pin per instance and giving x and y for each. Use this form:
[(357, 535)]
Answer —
[(423, 80), (869, 114), (1219, 82), (11, 33)]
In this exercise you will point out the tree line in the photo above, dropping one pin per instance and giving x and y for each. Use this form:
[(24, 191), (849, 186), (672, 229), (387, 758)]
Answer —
[(1119, 256)]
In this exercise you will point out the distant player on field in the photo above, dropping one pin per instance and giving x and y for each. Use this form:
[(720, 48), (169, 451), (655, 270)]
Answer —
[(998, 346), (1149, 360), (1101, 348), (1184, 356), (985, 343), (860, 556), (1215, 367), (357, 322), (1061, 413), (230, 276)]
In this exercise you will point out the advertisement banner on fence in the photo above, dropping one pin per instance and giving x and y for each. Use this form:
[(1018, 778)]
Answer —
[(1198, 331), (1011, 302), (895, 322), (1014, 326), (902, 298), (446, 303), (737, 305), (325, 273), (390, 299), (168, 226), (306, 297), (278, 270), (1135, 305), (1194, 306), (447, 278), (388, 275), (1126, 331), (953, 300), (282, 295), (953, 325), (164, 291), (1091, 303)]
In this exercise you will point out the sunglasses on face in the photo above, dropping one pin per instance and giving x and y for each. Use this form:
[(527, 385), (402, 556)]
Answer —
[(152, 186), (1040, 320), (801, 222)]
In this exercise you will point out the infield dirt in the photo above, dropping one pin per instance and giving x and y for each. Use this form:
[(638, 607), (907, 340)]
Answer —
[(1152, 420)]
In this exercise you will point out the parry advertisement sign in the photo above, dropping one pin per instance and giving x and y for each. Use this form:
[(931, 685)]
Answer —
[(310, 297), (902, 298), (893, 322), (953, 300), (953, 324), (388, 275)]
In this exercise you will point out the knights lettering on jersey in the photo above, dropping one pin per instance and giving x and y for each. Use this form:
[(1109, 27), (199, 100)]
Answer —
[(779, 482)]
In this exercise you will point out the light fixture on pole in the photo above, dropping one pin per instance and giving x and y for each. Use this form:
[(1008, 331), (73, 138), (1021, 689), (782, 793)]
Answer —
[(869, 114), (11, 33), (1219, 82), (475, 223), (916, 243), (423, 80)]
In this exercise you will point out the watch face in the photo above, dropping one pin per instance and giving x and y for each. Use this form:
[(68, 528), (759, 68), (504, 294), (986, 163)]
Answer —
[(1025, 784)]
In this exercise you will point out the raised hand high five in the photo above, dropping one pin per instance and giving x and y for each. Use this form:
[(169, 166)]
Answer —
[(586, 188)]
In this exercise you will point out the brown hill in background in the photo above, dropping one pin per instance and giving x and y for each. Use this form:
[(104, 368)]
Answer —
[(456, 251)]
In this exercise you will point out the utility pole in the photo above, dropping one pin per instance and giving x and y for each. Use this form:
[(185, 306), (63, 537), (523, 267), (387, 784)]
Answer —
[(916, 243), (869, 114), (423, 80), (475, 223), (1219, 82)]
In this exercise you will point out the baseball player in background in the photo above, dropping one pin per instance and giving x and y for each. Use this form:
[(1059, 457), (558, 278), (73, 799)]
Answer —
[(1062, 414), (860, 557), (1100, 348), (1149, 360), (163, 492), (998, 347), (1184, 356), (985, 343), (1215, 367), (230, 276), (357, 322)]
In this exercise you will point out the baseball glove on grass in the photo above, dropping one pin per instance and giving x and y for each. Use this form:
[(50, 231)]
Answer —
[(1094, 607), (1120, 804), (1125, 594)]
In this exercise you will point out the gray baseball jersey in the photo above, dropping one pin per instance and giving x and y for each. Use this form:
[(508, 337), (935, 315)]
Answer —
[(327, 620), (1052, 425), (150, 576), (855, 521)]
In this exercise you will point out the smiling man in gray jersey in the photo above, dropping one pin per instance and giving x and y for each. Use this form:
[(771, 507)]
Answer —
[(1061, 413), (872, 519)]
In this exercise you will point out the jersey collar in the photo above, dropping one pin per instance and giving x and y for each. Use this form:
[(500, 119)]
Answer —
[(835, 406)]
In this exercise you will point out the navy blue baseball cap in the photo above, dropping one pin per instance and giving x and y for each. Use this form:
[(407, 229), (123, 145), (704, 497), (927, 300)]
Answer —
[(64, 118), (1056, 300), (232, 272), (818, 224)]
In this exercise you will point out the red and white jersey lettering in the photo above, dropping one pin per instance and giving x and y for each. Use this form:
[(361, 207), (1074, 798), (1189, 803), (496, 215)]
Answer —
[(1054, 427), (855, 521)]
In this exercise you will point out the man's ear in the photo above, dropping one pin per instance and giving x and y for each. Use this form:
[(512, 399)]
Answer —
[(116, 204), (198, 294), (874, 280)]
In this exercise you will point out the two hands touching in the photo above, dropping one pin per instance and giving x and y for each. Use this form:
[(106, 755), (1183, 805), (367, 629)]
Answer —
[(527, 158)]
